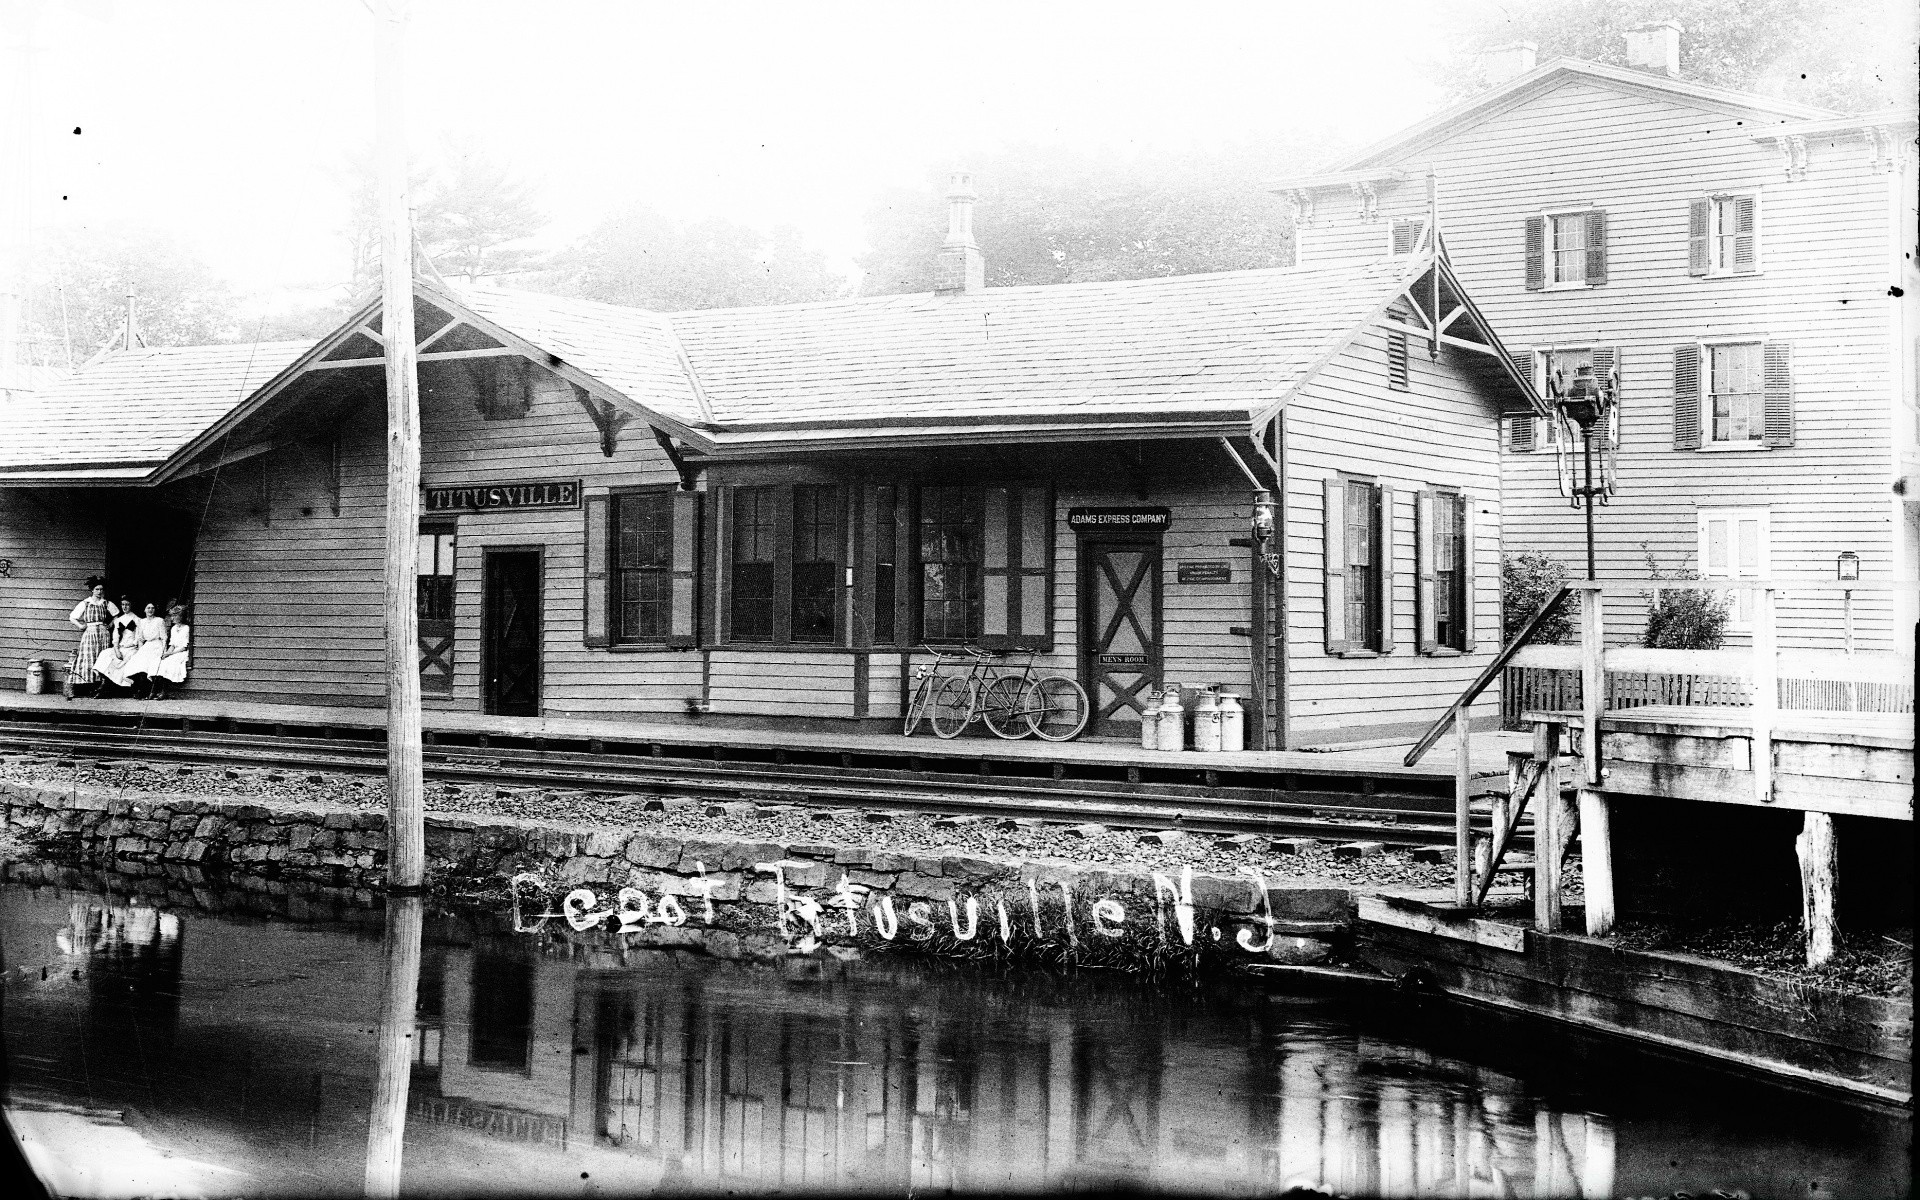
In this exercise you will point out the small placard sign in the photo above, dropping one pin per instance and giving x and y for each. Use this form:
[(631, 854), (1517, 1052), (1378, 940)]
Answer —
[(1118, 518), (548, 493), (1206, 572)]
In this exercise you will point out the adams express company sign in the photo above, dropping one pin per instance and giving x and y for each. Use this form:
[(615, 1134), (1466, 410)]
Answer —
[(473, 497)]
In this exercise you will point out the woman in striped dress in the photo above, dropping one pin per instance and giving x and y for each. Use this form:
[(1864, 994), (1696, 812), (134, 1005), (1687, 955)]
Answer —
[(90, 617)]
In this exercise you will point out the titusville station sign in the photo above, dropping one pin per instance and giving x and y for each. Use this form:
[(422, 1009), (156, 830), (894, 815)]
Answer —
[(474, 497)]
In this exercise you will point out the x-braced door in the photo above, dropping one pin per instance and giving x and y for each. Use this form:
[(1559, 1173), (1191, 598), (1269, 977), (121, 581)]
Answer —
[(1119, 630)]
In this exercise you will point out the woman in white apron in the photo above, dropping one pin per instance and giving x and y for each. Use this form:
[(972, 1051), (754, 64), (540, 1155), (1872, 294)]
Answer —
[(152, 647), (173, 664)]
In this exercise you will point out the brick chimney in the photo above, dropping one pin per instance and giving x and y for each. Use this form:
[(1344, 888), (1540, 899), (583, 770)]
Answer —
[(1655, 48), (959, 266), (1501, 63)]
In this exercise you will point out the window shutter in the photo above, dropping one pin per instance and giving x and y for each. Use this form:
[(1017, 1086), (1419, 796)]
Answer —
[(1383, 552), (1536, 253), (1746, 236), (1520, 433), (1467, 584), (595, 593), (1334, 563), (1777, 360), (1426, 635), (1699, 225), (996, 567), (1406, 236), (1606, 360), (683, 628), (1686, 397), (1397, 360), (1032, 599), (1596, 247)]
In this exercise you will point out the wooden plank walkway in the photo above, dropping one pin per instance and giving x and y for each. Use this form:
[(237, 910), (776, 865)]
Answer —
[(1372, 762)]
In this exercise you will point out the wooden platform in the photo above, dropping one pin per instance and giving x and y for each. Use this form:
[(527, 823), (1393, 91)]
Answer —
[(1375, 763)]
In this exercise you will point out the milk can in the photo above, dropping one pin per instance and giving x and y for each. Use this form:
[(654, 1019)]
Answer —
[(1233, 722), (36, 676), (1206, 721), (1150, 721), (1172, 720)]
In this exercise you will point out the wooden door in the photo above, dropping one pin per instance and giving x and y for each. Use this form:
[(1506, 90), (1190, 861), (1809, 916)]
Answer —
[(510, 638), (1119, 630)]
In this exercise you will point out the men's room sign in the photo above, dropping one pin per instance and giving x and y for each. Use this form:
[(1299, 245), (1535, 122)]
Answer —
[(478, 497)]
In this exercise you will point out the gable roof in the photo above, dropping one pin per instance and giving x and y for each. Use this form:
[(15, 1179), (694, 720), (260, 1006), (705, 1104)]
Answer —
[(1555, 74), (128, 412)]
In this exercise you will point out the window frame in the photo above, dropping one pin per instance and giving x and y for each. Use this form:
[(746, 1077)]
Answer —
[(1757, 417), (1460, 597), (1376, 606), (1552, 261), (442, 530), (1716, 268), (1740, 614), (617, 634)]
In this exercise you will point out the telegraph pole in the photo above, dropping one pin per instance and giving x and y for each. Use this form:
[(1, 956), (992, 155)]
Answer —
[(406, 800)]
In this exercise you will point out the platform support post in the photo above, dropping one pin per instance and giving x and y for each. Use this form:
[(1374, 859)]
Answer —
[(1462, 810), (1596, 862), (1766, 695), (1546, 828), (1593, 681), (1819, 868), (406, 800)]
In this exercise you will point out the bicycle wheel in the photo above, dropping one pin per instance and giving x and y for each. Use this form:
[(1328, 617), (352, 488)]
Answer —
[(1007, 707), (952, 708), (1058, 706), (917, 710)]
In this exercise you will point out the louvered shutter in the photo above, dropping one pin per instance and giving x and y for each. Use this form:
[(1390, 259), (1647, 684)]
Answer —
[(1606, 361), (1468, 582), (1686, 397), (1334, 564), (594, 594), (1777, 359), (1746, 234), (1406, 236), (1520, 430), (1426, 625), (683, 629), (1596, 247), (1536, 252), (1397, 378), (1699, 226), (1383, 556)]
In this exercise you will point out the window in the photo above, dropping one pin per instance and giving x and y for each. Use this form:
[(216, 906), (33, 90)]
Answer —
[(1733, 545), (1404, 237), (816, 563), (1555, 371), (1566, 249), (950, 562), (886, 556), (1446, 573), (1736, 403), (1357, 565), (433, 605), (642, 566), (752, 562), (1723, 235)]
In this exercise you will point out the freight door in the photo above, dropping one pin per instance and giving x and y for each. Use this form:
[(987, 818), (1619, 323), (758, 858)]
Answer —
[(510, 642), (1119, 630)]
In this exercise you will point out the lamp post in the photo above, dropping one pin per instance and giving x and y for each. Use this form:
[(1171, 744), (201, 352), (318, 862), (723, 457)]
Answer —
[(1588, 403)]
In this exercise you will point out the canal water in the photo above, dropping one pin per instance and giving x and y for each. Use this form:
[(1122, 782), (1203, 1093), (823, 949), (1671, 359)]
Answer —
[(185, 1047)]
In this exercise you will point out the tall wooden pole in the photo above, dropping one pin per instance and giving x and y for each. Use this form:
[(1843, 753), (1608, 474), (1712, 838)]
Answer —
[(406, 801), (394, 1045)]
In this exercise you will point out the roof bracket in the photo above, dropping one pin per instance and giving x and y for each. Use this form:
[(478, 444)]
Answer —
[(607, 419), (688, 471)]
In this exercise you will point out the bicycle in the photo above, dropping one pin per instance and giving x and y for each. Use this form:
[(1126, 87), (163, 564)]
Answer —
[(1011, 704), (929, 681)]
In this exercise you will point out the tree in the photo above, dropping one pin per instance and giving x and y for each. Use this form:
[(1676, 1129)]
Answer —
[(1527, 582), (644, 259), (1049, 215), (1843, 54), (470, 212), (178, 301)]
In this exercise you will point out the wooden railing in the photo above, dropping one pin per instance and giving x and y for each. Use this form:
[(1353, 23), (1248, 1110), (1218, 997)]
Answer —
[(1754, 674)]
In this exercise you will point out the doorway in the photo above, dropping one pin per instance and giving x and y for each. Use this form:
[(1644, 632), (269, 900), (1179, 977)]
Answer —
[(1120, 636), (149, 553), (510, 633)]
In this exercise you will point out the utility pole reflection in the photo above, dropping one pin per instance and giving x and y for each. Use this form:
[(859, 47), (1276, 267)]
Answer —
[(387, 1123)]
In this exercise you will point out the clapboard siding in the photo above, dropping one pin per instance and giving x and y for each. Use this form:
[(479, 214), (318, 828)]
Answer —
[(53, 543), (1826, 251), (1439, 433)]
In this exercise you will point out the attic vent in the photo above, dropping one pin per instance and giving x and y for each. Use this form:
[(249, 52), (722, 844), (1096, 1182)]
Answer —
[(502, 388), (1397, 376)]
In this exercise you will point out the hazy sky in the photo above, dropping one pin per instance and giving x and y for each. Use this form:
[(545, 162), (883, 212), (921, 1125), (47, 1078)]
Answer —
[(227, 122)]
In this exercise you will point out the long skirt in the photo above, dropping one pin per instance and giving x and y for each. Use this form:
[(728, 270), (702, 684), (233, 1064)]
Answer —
[(94, 640), (145, 660), (112, 666), (174, 667)]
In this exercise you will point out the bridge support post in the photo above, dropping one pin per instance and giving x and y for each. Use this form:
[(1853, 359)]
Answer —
[(1462, 809), (1547, 839), (1819, 867), (1596, 862)]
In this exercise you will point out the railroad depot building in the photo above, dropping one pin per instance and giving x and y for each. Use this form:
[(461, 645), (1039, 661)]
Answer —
[(762, 514)]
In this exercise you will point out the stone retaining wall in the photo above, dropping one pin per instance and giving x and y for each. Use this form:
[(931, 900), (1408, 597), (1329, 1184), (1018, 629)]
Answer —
[(640, 882)]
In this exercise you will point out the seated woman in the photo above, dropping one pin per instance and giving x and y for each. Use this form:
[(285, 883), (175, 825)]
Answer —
[(152, 647), (111, 665), (174, 663)]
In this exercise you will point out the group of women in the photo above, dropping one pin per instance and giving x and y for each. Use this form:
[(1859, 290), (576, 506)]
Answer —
[(143, 652)]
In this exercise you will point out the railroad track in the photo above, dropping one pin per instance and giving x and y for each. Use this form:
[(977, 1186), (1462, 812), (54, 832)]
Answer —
[(1305, 805)]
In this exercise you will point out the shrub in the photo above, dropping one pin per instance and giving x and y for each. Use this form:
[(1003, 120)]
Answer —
[(1684, 618), (1528, 581)]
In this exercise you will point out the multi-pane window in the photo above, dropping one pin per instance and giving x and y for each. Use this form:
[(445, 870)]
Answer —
[(434, 582), (1567, 248), (1733, 234), (643, 566), (1733, 545), (950, 564), (1736, 398), (1450, 571), (753, 564), (1362, 546), (816, 563)]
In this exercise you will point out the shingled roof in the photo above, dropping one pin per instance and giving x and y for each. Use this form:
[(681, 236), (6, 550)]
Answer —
[(132, 410)]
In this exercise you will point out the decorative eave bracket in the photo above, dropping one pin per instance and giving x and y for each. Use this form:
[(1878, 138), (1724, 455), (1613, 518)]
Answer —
[(605, 417), (688, 472), (1793, 154)]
